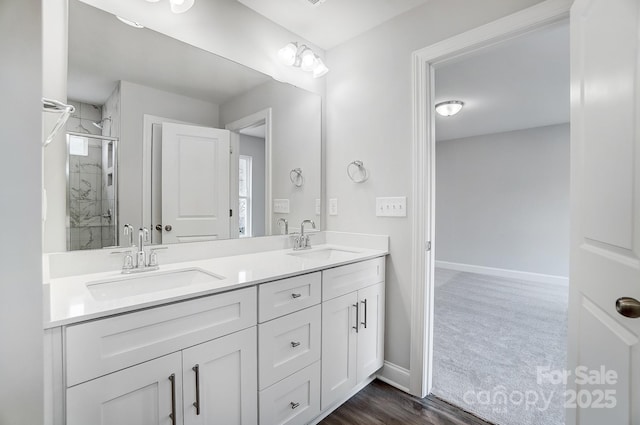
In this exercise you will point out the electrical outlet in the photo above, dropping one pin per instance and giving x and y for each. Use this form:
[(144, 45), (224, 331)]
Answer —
[(391, 207), (333, 206), (281, 206)]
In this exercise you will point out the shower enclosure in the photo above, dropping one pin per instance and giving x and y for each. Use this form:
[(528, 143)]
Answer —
[(92, 216)]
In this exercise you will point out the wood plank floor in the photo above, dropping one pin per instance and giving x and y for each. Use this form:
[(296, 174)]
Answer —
[(382, 404)]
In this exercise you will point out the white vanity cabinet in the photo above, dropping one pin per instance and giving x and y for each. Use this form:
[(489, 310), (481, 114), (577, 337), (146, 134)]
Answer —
[(219, 380), (289, 348), (352, 327), (284, 352), (140, 395), (151, 366)]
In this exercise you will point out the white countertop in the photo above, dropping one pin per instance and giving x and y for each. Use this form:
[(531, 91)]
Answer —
[(70, 301)]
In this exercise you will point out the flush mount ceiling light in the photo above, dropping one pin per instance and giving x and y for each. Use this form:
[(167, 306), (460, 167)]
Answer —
[(304, 58), (449, 107), (129, 22), (178, 6)]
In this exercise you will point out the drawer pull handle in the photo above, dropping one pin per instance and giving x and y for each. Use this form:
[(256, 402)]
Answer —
[(172, 378), (294, 405), (196, 404), (296, 295), (365, 313), (294, 343), (357, 306)]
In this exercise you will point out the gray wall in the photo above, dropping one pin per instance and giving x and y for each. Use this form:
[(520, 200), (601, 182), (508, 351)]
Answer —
[(21, 335), (369, 100), (296, 133), (502, 200), (254, 147)]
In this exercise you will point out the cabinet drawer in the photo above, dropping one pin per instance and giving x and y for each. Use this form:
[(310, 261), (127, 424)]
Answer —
[(288, 295), (96, 348), (288, 344), (294, 400), (342, 280)]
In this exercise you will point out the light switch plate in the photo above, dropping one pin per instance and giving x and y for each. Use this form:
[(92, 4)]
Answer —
[(281, 206), (391, 207), (333, 206)]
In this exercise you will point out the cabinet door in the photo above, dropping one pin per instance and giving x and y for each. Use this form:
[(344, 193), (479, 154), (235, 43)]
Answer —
[(371, 331), (339, 327), (140, 395), (222, 376)]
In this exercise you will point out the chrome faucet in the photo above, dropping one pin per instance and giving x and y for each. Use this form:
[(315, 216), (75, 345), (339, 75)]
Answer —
[(286, 225), (138, 261), (302, 241), (141, 256)]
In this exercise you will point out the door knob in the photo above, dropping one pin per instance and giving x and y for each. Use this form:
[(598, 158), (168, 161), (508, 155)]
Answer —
[(628, 307), (168, 227), (159, 227)]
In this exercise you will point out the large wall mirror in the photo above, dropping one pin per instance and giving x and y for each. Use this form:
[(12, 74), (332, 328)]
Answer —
[(176, 139)]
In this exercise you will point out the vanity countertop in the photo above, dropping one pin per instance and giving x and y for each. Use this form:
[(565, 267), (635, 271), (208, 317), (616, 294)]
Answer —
[(70, 301)]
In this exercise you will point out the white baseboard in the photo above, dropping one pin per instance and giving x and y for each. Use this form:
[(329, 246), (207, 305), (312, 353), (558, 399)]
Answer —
[(514, 274), (395, 376)]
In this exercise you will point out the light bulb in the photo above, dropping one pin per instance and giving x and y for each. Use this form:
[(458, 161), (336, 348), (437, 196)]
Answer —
[(320, 69), (308, 60), (448, 108), (287, 54), (181, 6)]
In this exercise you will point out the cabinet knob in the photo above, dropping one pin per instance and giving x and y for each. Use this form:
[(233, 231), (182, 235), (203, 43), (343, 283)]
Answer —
[(295, 343), (168, 228), (294, 405), (296, 295)]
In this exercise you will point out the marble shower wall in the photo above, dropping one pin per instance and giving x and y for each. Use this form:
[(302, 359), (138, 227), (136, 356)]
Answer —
[(91, 184)]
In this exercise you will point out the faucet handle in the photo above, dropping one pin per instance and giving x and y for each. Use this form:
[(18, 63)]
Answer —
[(144, 232), (128, 231)]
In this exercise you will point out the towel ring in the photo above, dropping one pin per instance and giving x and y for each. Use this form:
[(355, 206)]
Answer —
[(364, 174), (296, 177)]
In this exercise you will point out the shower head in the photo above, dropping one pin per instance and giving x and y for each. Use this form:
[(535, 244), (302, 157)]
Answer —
[(100, 123)]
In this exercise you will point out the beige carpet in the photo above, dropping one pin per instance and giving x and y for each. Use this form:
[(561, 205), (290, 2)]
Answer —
[(491, 335)]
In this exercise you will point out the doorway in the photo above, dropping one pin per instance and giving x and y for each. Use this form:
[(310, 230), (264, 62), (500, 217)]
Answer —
[(251, 174), (502, 229), (424, 242)]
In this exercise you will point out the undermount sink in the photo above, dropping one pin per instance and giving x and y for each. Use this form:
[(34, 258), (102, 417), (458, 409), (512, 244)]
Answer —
[(325, 254), (131, 285)]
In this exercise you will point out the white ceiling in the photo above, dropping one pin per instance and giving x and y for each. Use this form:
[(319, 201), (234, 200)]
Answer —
[(517, 84), (102, 50), (333, 22)]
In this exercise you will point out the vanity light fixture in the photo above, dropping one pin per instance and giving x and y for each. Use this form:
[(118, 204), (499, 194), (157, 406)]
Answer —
[(304, 58), (178, 6), (130, 22), (449, 107)]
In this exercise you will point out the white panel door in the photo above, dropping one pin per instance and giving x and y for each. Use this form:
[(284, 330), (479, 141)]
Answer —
[(221, 381), (605, 217), (195, 183), (339, 341), (371, 332), (139, 395)]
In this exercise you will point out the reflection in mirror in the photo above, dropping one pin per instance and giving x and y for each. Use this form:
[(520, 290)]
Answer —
[(91, 195), (205, 146)]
